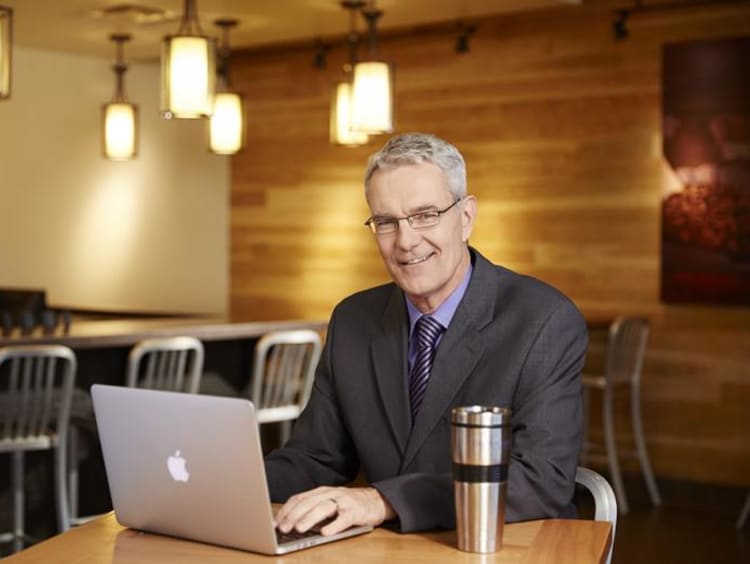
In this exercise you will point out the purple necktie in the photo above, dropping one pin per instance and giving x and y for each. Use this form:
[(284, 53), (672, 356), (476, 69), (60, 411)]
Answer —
[(426, 334)]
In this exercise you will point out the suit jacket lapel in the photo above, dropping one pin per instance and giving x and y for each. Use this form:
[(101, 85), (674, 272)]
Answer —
[(389, 362), (459, 351)]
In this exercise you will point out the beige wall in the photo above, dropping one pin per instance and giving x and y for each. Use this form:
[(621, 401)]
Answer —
[(561, 129), (145, 235)]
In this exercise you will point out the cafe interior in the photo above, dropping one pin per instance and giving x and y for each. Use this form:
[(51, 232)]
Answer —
[(607, 143)]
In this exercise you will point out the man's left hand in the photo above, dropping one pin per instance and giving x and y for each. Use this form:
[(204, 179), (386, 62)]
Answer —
[(350, 507)]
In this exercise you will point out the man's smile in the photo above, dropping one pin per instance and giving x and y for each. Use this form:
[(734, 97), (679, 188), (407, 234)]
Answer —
[(416, 260)]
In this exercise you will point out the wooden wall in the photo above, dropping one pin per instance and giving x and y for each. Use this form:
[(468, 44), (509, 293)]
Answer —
[(560, 128)]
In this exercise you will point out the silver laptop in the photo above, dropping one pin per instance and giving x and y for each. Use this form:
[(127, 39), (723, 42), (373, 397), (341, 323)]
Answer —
[(190, 466)]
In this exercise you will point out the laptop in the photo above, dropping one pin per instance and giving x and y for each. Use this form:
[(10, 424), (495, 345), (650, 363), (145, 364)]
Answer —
[(191, 466)]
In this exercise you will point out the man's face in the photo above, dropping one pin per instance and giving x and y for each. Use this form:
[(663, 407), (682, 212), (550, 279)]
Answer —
[(428, 264)]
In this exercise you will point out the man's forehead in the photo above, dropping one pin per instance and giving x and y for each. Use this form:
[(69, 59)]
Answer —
[(388, 198), (406, 178)]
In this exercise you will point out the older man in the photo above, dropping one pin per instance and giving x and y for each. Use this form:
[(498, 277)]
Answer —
[(451, 329)]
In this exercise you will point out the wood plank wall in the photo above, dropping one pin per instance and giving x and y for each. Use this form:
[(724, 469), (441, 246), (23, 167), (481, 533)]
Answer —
[(560, 127)]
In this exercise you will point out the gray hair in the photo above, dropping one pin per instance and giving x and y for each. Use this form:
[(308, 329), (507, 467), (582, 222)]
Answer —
[(415, 148)]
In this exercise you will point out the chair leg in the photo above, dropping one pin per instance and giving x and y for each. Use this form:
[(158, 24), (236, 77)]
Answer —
[(73, 461), (286, 431), (744, 513), (18, 500), (586, 405), (640, 444), (61, 490), (611, 445)]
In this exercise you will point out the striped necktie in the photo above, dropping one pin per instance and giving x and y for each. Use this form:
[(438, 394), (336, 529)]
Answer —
[(426, 334)]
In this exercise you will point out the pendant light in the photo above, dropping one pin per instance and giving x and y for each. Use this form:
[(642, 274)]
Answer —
[(372, 105), (341, 132), (188, 69), (119, 117), (6, 46), (227, 124)]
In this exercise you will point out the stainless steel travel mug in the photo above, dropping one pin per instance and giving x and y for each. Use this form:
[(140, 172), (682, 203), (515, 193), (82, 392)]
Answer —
[(481, 439)]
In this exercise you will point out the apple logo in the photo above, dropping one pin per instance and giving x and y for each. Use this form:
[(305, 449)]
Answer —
[(176, 467)]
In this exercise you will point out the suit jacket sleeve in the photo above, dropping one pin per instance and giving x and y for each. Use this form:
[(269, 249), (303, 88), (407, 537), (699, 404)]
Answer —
[(547, 420)]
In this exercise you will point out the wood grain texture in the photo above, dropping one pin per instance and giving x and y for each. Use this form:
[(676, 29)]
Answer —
[(534, 542), (560, 128)]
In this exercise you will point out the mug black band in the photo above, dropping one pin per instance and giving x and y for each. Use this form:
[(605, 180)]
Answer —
[(480, 426), (480, 474)]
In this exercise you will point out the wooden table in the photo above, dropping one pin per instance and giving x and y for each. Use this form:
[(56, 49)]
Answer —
[(102, 541)]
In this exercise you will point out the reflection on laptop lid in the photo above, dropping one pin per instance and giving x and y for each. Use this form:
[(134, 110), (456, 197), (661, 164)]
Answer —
[(190, 466)]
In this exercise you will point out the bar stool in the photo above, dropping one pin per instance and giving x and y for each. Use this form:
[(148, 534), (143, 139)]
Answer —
[(283, 371), (626, 350), (170, 363), (37, 383)]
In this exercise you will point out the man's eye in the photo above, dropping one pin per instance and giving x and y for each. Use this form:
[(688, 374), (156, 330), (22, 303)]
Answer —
[(384, 221), (425, 217)]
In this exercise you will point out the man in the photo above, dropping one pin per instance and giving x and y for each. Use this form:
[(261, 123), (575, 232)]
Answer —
[(383, 393)]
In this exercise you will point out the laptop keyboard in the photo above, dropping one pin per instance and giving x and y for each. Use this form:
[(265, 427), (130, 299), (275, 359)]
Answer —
[(294, 535)]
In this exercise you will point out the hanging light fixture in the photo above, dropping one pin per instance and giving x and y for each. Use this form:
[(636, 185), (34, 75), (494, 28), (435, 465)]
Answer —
[(6, 45), (372, 96), (227, 124), (340, 129), (188, 69), (119, 117)]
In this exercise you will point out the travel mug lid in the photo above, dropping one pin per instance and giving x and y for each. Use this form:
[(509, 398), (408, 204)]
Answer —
[(480, 416)]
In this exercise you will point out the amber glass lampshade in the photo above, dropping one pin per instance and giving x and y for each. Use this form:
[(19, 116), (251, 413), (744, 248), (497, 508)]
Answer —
[(226, 129), (341, 132), (188, 70), (120, 130), (372, 99)]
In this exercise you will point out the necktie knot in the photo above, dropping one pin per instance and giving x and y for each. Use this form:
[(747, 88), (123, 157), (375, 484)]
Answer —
[(427, 331)]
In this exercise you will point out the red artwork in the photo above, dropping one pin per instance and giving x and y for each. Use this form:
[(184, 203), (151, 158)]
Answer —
[(706, 203)]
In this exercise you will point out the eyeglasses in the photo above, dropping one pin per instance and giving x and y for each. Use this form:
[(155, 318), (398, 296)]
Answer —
[(421, 220)]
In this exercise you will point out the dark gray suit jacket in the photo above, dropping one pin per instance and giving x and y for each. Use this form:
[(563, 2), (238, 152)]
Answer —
[(513, 341)]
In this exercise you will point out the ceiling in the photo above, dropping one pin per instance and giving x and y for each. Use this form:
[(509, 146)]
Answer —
[(83, 26)]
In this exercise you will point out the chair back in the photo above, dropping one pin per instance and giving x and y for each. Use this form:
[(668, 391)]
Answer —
[(36, 387), (283, 371), (605, 503), (626, 349), (171, 363)]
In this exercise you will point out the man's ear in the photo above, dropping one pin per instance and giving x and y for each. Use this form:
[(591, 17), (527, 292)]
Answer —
[(468, 216)]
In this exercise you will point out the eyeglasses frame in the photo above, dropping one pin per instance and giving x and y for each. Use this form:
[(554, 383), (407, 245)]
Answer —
[(410, 218)]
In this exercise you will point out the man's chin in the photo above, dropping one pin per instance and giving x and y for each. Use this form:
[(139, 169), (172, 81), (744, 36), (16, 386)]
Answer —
[(415, 292)]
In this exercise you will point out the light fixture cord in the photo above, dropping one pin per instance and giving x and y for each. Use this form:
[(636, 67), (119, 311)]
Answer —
[(224, 51), (353, 37), (120, 67), (371, 14), (189, 25)]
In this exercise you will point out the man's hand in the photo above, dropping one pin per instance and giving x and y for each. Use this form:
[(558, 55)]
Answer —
[(349, 506)]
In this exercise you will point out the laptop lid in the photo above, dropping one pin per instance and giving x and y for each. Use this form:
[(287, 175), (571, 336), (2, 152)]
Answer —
[(190, 466)]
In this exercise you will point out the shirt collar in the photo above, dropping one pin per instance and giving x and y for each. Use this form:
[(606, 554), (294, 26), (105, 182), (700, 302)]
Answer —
[(444, 313)]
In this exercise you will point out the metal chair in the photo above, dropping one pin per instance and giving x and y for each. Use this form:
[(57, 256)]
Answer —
[(283, 371), (626, 350), (168, 363), (36, 386), (605, 503), (744, 513), (171, 363)]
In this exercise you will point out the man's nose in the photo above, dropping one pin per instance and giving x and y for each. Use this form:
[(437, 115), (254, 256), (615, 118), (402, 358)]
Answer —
[(406, 236)]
